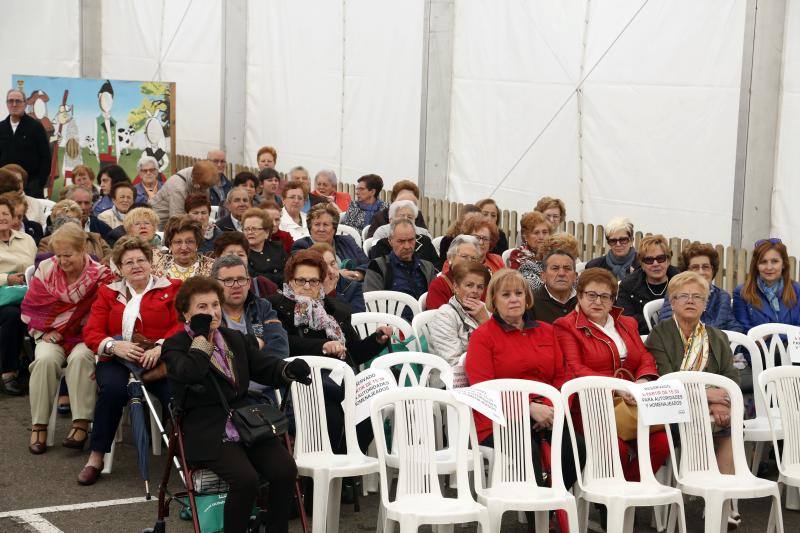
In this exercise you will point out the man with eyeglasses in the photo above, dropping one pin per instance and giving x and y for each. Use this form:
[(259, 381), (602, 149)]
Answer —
[(557, 296), (219, 191), (23, 140)]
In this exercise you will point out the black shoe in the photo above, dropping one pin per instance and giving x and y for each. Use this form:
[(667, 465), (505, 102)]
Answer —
[(11, 386)]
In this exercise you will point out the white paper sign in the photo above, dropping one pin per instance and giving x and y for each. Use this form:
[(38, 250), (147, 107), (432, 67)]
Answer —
[(794, 347), (661, 402), (486, 402), (459, 378), (369, 384)]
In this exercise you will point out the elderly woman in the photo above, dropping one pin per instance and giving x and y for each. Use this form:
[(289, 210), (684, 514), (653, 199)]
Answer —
[(513, 345), (250, 182), (67, 211), (140, 222), (323, 221), (452, 327), (486, 233), (704, 260), (293, 220), (83, 176), (533, 271), (182, 236), (360, 212), (319, 325), (17, 252), (264, 257), (534, 229), (553, 210), (149, 182), (463, 249), (768, 293), (336, 285), (401, 190), (266, 157), (270, 181), (106, 179), (649, 282), (405, 209), (198, 208), (278, 235), (129, 321), (490, 210), (20, 221), (237, 202), (207, 362), (122, 196), (597, 340), (621, 257), (325, 187), (686, 343), (235, 243), (56, 308)]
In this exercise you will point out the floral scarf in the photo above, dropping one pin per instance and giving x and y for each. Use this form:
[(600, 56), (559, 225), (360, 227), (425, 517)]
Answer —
[(695, 348), (311, 312), (772, 292), (53, 304), (525, 254)]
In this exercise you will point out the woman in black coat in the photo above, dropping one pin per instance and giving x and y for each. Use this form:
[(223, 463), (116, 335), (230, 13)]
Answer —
[(204, 354)]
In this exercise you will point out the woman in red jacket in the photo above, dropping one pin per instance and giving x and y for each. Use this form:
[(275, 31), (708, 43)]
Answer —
[(129, 321), (514, 345), (597, 340)]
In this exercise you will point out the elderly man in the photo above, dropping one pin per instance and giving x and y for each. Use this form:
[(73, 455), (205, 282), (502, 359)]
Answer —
[(405, 209), (402, 270), (402, 190), (237, 202), (147, 183), (220, 190), (557, 296), (24, 141), (171, 198), (90, 223)]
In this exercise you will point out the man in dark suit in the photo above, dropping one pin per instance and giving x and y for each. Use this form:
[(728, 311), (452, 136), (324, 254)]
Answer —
[(24, 141)]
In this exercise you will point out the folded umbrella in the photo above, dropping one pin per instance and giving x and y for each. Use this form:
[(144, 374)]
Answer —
[(141, 437)]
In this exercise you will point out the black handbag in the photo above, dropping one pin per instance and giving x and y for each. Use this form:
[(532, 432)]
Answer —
[(255, 423)]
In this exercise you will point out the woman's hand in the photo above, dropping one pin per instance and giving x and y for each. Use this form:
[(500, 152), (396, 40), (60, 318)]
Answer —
[(53, 337), (476, 309), (128, 351), (150, 357), (718, 396), (383, 334), (334, 349), (354, 275), (15, 279), (542, 414), (721, 414), (627, 397)]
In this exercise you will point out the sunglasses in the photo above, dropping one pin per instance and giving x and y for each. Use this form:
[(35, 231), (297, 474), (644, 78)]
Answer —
[(773, 240), (621, 240), (655, 259)]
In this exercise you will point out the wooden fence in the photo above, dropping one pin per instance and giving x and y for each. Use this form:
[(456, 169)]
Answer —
[(439, 215)]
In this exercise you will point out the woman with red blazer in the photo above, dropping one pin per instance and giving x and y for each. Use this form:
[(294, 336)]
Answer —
[(130, 319), (597, 340), (512, 344)]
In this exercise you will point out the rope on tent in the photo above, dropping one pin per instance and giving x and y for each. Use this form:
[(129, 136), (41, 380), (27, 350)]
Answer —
[(568, 99), (163, 56)]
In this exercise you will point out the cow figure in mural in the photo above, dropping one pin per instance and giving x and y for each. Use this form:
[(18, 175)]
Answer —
[(125, 140)]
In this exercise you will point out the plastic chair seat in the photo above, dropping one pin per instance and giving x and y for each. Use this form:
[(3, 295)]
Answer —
[(530, 498), (445, 461), (434, 509), (343, 465), (791, 475), (757, 429), (602, 490), (742, 486)]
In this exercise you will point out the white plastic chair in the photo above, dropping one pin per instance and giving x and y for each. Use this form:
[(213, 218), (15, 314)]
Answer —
[(580, 266), (366, 323), (506, 255), (773, 348), (344, 229), (420, 326), (697, 472), (602, 480), (47, 207), (29, 274), (644, 338), (780, 387), (423, 300), (367, 246), (365, 233), (650, 312), (391, 302), (312, 448), (437, 242), (214, 216), (512, 482), (419, 498)]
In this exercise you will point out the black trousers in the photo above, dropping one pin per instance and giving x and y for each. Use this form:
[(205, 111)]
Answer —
[(12, 333), (243, 469)]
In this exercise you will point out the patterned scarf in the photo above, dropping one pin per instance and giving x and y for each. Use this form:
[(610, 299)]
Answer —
[(221, 358), (526, 254), (621, 266), (311, 312), (772, 292), (695, 348)]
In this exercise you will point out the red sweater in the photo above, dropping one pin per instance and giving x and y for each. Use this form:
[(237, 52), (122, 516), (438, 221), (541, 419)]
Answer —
[(284, 238), (590, 352), (439, 292), (157, 313), (498, 351)]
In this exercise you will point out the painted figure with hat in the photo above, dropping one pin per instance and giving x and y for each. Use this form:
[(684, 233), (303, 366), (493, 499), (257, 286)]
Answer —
[(106, 127)]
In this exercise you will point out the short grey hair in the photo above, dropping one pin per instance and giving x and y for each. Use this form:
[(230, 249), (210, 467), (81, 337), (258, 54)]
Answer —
[(16, 90), (237, 188), (619, 224), (62, 219), (394, 224), (298, 167), (146, 159), (400, 204), (458, 241), (69, 191), (326, 172), (227, 261)]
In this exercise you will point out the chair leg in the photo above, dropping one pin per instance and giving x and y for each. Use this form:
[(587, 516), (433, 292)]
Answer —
[(542, 522), (320, 503), (792, 498), (444, 528), (583, 515), (677, 514), (108, 459), (51, 424), (334, 503), (758, 451), (630, 516), (572, 515), (615, 519), (775, 515), (716, 515)]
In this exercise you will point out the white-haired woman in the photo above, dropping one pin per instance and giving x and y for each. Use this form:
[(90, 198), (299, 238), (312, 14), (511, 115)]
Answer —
[(148, 181), (400, 209), (325, 187), (621, 258), (404, 209), (464, 248)]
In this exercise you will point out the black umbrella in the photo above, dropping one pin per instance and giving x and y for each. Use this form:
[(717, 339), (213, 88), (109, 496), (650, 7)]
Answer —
[(141, 436)]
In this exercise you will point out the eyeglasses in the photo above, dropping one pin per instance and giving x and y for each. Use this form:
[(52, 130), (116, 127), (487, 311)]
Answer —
[(14, 101), (481, 238), (604, 297), (655, 259), (134, 262), (232, 282), (148, 170), (773, 240), (467, 257), (251, 229), (307, 282), (620, 240), (704, 267), (187, 242), (684, 297)]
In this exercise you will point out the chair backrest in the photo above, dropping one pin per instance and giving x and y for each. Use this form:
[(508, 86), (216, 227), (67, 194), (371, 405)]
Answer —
[(344, 229), (214, 216), (404, 360), (644, 337), (513, 456), (772, 345), (780, 387), (580, 266), (414, 441), (365, 233), (423, 300), (650, 312), (420, 326), (740, 340), (391, 302), (367, 246), (29, 274), (506, 256), (308, 403), (366, 323), (697, 443), (437, 242), (47, 207)]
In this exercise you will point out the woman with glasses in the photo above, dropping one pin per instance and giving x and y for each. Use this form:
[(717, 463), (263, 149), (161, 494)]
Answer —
[(463, 249), (649, 282), (129, 321), (490, 210), (264, 257), (182, 236), (486, 234), (598, 340), (148, 181), (768, 293), (293, 220), (553, 210), (367, 203), (621, 257), (335, 285)]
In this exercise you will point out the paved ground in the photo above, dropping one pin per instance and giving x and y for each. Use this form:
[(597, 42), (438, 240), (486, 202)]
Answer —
[(31, 482)]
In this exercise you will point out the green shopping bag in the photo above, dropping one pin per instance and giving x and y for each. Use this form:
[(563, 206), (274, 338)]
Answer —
[(12, 294), (397, 345), (210, 514)]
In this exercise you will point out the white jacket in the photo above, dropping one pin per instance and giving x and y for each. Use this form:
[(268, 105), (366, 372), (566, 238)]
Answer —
[(450, 330)]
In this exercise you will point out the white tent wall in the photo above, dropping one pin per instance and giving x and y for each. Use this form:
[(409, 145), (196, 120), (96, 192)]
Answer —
[(39, 38), (786, 191), (336, 84), (178, 41)]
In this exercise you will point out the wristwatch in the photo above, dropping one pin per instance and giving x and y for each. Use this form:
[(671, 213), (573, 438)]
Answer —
[(109, 349)]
